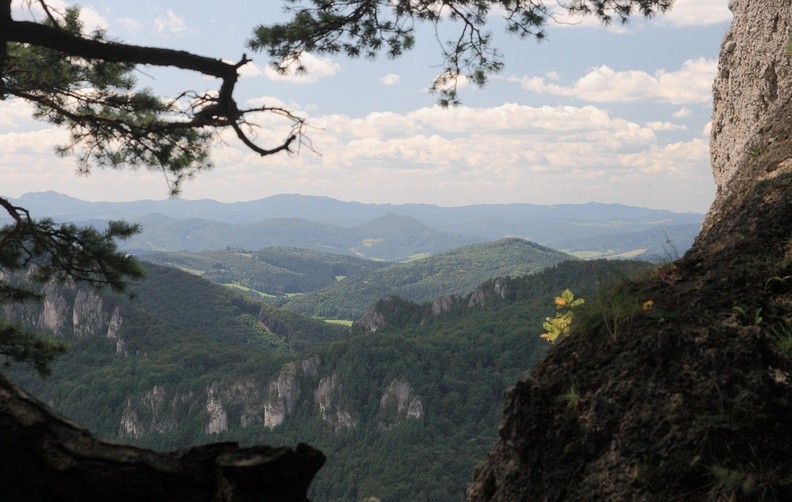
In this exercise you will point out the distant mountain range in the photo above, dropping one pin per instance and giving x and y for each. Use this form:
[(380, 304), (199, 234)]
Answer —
[(390, 232)]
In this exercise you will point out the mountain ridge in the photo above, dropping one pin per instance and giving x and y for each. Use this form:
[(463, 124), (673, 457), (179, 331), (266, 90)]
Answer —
[(329, 225)]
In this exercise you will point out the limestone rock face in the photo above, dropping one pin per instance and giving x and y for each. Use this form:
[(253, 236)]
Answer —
[(398, 403), (327, 397), (481, 296), (88, 316), (54, 312), (440, 305), (282, 395), (154, 412), (114, 332), (218, 417), (750, 140), (371, 321)]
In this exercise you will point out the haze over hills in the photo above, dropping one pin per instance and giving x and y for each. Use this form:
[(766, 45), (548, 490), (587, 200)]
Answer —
[(391, 232)]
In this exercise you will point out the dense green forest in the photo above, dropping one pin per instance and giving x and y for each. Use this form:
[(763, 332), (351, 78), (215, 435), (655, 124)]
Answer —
[(455, 272), (190, 345)]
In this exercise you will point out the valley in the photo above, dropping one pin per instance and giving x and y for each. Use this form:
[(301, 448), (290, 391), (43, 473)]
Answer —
[(394, 369)]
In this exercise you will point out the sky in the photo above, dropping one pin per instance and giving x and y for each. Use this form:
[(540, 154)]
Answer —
[(614, 115)]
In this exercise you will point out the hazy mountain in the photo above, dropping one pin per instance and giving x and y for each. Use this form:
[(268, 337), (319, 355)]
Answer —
[(388, 238), (382, 231)]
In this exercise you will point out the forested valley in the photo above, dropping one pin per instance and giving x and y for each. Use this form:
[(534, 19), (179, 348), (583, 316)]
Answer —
[(403, 408)]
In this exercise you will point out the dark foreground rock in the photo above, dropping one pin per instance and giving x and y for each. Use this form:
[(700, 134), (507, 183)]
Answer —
[(690, 399), (47, 457)]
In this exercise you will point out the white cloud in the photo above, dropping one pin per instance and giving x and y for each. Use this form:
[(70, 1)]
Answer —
[(468, 155), (697, 13), (707, 130), (682, 13), (16, 113), (454, 156), (682, 113), (450, 80), (690, 84), (665, 126), (130, 24), (26, 9), (390, 79), (251, 70), (315, 68), (170, 22)]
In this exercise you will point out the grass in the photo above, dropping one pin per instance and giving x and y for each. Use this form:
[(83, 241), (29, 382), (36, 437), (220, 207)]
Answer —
[(608, 253), (236, 285), (343, 322), (782, 340), (615, 309), (570, 397)]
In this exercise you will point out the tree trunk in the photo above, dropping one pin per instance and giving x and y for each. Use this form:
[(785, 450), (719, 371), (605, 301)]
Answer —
[(47, 457)]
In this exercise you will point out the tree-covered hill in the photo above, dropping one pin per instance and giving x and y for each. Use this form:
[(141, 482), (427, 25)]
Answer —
[(275, 271), (455, 272)]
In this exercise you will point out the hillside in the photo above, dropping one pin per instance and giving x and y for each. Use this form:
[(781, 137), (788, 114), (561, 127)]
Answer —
[(656, 244), (454, 272), (273, 271), (403, 415)]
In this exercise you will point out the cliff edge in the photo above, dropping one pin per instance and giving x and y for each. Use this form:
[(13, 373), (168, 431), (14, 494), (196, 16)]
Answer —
[(687, 397)]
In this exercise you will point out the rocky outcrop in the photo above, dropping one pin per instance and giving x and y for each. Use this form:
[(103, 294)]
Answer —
[(750, 125), (217, 415), (114, 332), (88, 316), (239, 402), (153, 413), (691, 399), (54, 317), (328, 398), (282, 396), (441, 305), (399, 403), (47, 457), (481, 296), (67, 310), (371, 321)]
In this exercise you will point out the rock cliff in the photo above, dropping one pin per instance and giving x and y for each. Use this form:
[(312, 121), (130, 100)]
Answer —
[(690, 399), (750, 141)]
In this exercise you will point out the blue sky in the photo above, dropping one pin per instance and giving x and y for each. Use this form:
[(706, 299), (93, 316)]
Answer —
[(616, 114)]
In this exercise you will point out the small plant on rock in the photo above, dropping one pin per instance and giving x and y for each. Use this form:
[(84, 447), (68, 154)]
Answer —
[(561, 325)]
